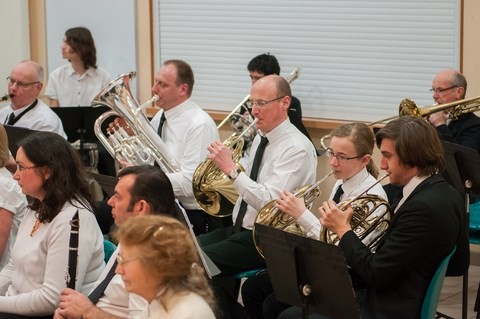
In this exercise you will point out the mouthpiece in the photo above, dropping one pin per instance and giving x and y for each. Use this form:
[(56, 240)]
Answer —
[(6, 97)]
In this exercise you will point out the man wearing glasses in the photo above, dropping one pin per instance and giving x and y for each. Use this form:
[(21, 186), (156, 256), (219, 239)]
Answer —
[(26, 110), (450, 86), (288, 161)]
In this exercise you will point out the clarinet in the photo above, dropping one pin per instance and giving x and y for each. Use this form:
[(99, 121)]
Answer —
[(71, 271)]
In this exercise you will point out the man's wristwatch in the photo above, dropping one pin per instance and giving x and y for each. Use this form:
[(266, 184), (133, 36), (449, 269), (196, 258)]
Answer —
[(234, 173)]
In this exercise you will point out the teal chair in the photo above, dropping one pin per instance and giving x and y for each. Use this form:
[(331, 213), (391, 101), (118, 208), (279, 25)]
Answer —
[(430, 303), (108, 249)]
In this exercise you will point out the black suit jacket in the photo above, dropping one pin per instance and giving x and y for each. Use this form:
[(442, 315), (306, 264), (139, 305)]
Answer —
[(464, 131), (422, 233)]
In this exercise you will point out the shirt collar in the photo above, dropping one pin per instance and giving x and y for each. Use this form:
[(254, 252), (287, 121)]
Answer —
[(352, 183), (177, 110), (277, 132), (409, 188)]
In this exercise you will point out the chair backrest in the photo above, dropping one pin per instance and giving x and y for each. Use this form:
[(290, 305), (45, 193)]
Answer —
[(430, 302), (108, 249)]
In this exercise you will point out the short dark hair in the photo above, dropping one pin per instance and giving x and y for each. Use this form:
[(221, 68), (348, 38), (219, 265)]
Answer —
[(152, 185), (416, 143), (68, 178), (81, 41), (184, 74), (264, 63)]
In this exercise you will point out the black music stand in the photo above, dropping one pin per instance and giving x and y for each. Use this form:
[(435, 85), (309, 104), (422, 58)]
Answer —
[(308, 273), (15, 134), (463, 173)]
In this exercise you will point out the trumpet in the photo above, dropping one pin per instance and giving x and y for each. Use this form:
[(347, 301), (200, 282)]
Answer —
[(238, 122), (364, 221), (212, 190), (271, 216)]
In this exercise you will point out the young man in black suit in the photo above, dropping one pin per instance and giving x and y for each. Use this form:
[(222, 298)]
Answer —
[(429, 221)]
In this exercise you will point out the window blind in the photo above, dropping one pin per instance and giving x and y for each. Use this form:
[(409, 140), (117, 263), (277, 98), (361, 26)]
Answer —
[(358, 58)]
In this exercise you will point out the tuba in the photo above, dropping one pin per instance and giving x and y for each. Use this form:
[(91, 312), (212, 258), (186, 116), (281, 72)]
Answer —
[(144, 146), (212, 190), (271, 216), (370, 220)]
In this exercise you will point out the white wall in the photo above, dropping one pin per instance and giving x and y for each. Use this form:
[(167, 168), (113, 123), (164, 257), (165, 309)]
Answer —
[(112, 23), (15, 37)]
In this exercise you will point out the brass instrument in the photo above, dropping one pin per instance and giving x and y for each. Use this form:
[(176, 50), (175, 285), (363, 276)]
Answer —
[(144, 146), (364, 221), (271, 216), (408, 108), (212, 190), (238, 122)]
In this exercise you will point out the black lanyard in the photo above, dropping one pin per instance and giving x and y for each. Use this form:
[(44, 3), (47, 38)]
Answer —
[(15, 120)]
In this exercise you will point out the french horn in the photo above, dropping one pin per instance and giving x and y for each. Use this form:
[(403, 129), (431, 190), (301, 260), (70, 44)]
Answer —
[(370, 220), (142, 147), (212, 190), (269, 215)]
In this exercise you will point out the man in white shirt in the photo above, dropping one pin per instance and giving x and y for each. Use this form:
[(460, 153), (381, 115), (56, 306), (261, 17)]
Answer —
[(136, 193), (26, 110), (186, 130), (289, 161)]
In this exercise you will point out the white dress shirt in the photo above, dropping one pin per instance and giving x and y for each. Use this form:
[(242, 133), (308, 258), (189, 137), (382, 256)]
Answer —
[(73, 89), (13, 200), (116, 300), (289, 162), (352, 187), (40, 118), (187, 133)]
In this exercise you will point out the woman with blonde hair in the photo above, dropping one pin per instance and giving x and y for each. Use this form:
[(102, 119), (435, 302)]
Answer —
[(158, 260), (12, 203)]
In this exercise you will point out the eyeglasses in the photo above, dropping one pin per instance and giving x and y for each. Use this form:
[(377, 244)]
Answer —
[(261, 103), (20, 84), (121, 261), (22, 168), (339, 157), (441, 90)]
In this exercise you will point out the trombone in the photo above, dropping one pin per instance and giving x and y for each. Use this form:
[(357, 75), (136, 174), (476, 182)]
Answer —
[(408, 107)]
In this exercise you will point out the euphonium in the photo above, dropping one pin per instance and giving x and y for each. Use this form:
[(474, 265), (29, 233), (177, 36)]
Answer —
[(370, 220), (144, 146), (212, 190), (271, 216)]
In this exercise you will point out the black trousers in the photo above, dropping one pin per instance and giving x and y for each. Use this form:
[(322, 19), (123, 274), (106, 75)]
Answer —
[(12, 316), (204, 223)]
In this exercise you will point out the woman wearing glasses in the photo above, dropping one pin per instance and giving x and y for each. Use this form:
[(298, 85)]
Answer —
[(50, 172), (349, 154), (12, 203), (159, 261)]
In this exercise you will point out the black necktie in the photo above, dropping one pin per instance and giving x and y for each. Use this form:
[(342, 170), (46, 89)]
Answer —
[(253, 175), (11, 119), (160, 126), (398, 197), (95, 295), (338, 193)]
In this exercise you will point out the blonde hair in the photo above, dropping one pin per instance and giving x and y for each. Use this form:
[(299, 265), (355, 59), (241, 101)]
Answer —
[(168, 252), (363, 140), (4, 151)]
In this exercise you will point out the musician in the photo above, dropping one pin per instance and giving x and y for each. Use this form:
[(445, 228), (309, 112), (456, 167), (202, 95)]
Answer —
[(51, 174), (429, 221), (450, 86), (26, 110), (13, 203), (159, 261), (136, 194), (289, 161), (187, 130), (78, 82), (350, 152)]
